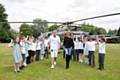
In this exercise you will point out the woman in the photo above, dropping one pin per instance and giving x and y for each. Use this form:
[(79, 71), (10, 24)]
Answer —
[(68, 45)]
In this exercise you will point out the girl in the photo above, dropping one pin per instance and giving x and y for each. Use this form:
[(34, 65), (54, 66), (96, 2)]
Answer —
[(23, 46), (30, 40), (33, 49), (68, 45), (91, 50), (86, 49), (42, 49), (80, 49), (38, 48), (102, 52), (16, 53)]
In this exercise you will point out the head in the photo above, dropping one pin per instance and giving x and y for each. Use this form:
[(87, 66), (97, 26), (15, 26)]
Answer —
[(16, 39), (22, 38), (54, 33), (80, 39), (31, 38), (102, 39), (91, 39), (69, 34)]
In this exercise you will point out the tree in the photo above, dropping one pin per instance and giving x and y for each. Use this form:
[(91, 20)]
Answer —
[(13, 33), (39, 26), (26, 30), (53, 27), (4, 27), (92, 29), (118, 32), (112, 32)]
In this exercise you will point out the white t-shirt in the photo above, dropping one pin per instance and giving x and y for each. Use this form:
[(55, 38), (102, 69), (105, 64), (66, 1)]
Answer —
[(91, 45), (29, 45), (54, 42), (22, 46), (33, 46), (102, 46), (38, 45), (46, 42), (78, 45)]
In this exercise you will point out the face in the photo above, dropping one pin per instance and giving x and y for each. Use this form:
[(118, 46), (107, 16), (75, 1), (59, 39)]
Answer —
[(54, 34), (23, 39), (17, 39)]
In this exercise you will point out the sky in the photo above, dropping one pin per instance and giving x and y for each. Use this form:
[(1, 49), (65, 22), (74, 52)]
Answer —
[(63, 10)]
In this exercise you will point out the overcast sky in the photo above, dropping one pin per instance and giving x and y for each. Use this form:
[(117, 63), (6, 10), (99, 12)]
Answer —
[(64, 10)]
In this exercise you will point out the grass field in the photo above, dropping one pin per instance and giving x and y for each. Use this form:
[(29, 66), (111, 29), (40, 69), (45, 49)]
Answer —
[(41, 70)]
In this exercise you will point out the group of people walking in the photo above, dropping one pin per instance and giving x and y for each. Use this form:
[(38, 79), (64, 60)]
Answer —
[(29, 49)]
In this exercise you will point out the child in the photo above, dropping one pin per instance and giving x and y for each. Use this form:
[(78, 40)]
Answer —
[(30, 40), (91, 51), (16, 53), (33, 50), (76, 54), (42, 52), (23, 46), (86, 49), (46, 47), (102, 52), (38, 48), (80, 49)]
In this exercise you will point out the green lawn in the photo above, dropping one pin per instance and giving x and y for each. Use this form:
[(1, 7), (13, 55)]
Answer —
[(41, 70)]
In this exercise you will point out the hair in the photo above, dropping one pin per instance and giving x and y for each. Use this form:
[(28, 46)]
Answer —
[(14, 39), (22, 37), (103, 39), (69, 34), (80, 39)]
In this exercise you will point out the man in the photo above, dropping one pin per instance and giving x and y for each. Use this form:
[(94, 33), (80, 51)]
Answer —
[(54, 44)]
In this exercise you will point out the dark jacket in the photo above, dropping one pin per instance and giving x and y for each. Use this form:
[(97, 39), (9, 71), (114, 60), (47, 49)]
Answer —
[(68, 42)]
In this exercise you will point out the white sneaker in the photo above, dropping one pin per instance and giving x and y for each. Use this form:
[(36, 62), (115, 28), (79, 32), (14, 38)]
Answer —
[(25, 64), (55, 63), (81, 61), (52, 66)]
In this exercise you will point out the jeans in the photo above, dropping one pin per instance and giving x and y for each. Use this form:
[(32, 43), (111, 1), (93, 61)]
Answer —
[(68, 56)]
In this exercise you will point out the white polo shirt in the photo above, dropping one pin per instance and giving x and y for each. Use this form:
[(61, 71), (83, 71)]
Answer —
[(54, 42)]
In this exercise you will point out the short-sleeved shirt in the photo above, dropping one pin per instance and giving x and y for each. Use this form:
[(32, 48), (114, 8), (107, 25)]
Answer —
[(91, 45), (54, 42), (102, 46)]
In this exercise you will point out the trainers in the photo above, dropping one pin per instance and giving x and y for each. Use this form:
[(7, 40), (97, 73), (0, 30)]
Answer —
[(25, 64), (52, 66), (55, 63), (81, 61)]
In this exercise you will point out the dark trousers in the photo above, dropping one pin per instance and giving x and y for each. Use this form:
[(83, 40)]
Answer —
[(68, 57), (46, 53), (101, 61), (37, 58), (76, 54), (28, 61), (91, 58)]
